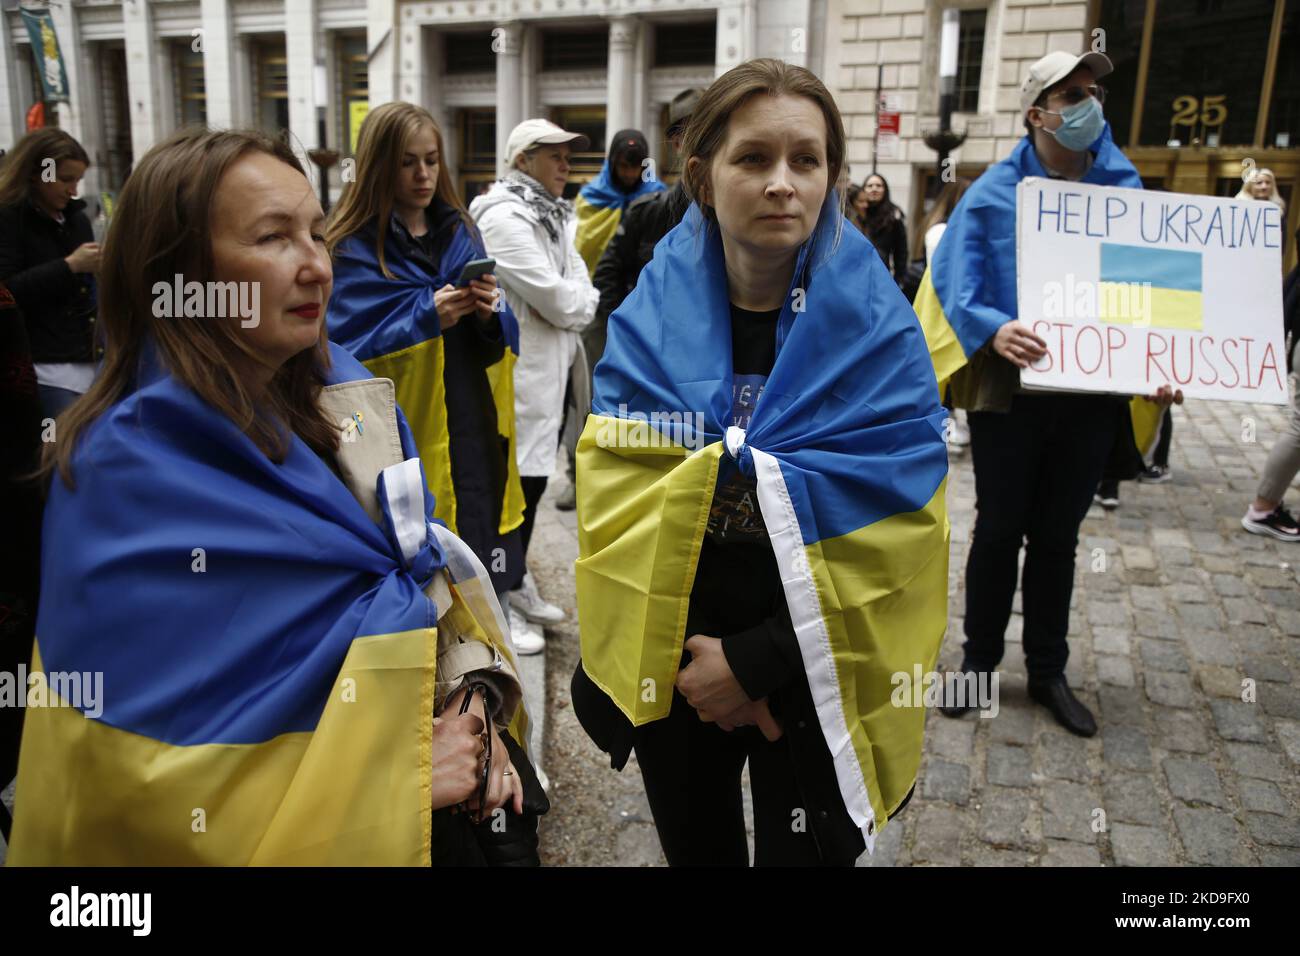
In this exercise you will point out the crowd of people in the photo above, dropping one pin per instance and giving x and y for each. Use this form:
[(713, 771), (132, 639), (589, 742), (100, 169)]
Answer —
[(295, 542)]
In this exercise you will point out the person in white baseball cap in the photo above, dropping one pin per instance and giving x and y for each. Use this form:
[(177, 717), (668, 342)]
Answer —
[(532, 133), (1060, 96), (1038, 456), (529, 229)]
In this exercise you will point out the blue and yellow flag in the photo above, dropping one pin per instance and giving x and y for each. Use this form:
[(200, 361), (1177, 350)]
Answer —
[(847, 450), (600, 206), (266, 650), (391, 326), (969, 288), (1174, 277)]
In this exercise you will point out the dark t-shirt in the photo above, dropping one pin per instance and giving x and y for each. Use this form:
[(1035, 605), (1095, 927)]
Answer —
[(735, 516)]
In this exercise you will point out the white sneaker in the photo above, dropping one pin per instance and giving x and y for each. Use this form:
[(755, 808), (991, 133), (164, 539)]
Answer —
[(526, 636), (960, 431), (532, 606)]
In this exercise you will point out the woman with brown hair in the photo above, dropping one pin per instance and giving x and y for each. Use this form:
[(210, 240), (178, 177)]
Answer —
[(762, 538), (449, 352), (48, 258), (238, 546), (882, 222)]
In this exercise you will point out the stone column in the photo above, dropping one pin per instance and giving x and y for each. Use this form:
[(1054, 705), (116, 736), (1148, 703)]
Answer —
[(620, 89), (506, 42), (143, 89)]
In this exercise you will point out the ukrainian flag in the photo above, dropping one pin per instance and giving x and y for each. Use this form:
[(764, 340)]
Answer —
[(267, 650), (600, 206), (1145, 285), (391, 326), (847, 450)]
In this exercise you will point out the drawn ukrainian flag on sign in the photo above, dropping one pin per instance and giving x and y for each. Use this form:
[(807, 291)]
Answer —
[(1172, 275)]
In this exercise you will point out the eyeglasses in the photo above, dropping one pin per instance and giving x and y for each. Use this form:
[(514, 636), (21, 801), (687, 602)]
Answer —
[(1074, 95)]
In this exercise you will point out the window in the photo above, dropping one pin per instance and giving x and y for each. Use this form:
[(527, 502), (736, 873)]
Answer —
[(478, 151), (1283, 127), (468, 53), (575, 50), (1195, 90), (272, 94), (191, 91), (970, 59), (685, 44), (353, 99), (591, 121), (115, 106)]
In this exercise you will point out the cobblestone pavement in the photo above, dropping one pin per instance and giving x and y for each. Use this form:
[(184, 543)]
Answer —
[(1175, 607)]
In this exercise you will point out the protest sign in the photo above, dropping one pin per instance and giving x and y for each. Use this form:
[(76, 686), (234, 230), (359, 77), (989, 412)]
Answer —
[(1133, 289)]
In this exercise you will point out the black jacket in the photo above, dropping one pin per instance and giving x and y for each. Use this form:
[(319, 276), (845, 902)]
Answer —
[(646, 220), (890, 241), (479, 455), (59, 307)]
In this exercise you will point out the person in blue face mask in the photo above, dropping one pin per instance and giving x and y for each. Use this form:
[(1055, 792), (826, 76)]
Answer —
[(1037, 456)]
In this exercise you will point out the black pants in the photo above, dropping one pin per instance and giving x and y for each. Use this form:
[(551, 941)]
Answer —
[(1035, 471), (533, 489), (692, 779)]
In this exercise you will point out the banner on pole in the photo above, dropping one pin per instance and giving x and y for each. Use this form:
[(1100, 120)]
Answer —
[(1133, 289), (46, 53)]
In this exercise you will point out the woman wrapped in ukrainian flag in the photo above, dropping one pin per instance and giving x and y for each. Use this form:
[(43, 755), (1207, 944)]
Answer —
[(249, 624), (763, 543), (399, 238)]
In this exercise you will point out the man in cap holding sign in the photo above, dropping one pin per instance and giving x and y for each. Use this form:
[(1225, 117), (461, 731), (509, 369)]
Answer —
[(1037, 455)]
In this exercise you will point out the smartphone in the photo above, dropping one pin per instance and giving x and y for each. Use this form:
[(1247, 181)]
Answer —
[(473, 270)]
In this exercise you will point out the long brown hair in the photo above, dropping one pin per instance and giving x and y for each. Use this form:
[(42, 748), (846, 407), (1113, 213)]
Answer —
[(881, 215), (940, 212), (707, 129), (22, 164), (162, 227), (385, 134)]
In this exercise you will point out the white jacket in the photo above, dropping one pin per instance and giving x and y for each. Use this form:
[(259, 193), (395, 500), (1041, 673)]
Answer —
[(547, 287)]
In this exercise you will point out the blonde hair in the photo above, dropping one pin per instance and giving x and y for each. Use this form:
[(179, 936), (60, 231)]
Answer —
[(940, 212), (385, 134), (1276, 197)]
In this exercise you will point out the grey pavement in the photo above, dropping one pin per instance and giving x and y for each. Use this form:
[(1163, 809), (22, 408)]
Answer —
[(1184, 641)]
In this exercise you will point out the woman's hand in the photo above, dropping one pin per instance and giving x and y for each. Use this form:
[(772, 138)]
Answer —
[(452, 303), (485, 296), (85, 258), (1015, 343), (457, 758), (754, 713), (1166, 396), (504, 786), (707, 682)]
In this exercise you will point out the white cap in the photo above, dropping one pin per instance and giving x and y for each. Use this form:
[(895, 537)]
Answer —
[(1055, 67), (537, 132)]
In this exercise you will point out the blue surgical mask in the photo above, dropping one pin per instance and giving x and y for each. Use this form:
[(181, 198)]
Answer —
[(1080, 125)]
